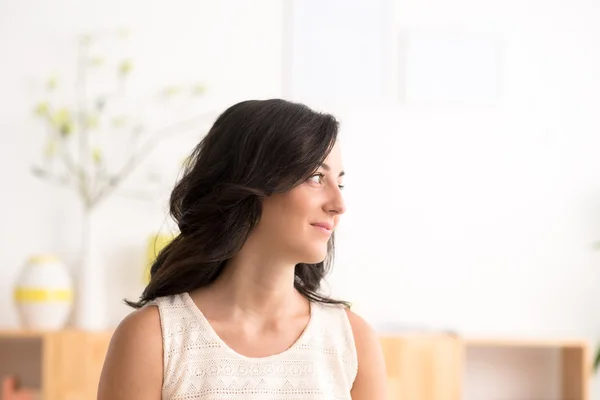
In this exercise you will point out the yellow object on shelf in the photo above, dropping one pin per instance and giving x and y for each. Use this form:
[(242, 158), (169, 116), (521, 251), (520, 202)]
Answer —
[(25, 295), (154, 246), (43, 258), (43, 293)]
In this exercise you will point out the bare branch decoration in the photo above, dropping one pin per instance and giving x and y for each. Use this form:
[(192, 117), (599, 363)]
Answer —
[(72, 133)]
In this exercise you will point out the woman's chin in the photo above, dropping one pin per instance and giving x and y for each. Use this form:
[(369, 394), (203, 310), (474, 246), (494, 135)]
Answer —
[(315, 256)]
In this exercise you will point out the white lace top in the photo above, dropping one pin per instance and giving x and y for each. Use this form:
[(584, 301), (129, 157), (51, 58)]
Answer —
[(198, 365)]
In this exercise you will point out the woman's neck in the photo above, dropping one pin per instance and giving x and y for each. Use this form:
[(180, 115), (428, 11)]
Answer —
[(258, 286)]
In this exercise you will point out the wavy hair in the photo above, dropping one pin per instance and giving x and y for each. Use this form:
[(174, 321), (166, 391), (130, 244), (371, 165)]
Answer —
[(254, 149)]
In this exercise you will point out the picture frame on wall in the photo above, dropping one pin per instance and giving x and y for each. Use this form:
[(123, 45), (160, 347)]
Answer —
[(445, 67), (356, 52), (337, 50)]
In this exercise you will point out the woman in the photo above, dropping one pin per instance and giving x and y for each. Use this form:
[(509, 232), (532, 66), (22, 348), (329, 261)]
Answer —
[(233, 309)]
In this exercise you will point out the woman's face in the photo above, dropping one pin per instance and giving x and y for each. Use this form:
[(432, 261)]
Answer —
[(298, 224)]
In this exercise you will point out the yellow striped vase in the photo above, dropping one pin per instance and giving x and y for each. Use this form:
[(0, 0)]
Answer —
[(43, 293)]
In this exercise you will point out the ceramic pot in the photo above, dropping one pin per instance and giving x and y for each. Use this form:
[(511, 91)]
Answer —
[(43, 293)]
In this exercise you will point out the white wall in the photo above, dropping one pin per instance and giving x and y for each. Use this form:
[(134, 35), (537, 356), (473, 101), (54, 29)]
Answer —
[(476, 219), (481, 219), (232, 46)]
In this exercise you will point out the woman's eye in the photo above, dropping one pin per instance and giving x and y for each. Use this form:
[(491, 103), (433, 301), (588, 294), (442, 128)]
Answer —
[(317, 178)]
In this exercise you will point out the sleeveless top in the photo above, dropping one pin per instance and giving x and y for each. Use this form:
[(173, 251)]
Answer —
[(198, 365)]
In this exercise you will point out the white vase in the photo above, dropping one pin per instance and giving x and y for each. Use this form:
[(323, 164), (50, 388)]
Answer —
[(44, 293), (90, 288)]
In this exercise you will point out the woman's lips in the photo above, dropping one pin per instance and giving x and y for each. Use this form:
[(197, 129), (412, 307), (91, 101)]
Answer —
[(324, 227)]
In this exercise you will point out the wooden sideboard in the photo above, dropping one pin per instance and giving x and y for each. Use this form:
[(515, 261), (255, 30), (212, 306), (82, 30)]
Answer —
[(66, 365), (423, 367)]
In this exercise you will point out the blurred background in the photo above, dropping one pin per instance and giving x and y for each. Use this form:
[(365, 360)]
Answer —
[(471, 143)]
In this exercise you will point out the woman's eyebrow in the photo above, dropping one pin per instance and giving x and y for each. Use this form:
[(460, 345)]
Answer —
[(328, 168)]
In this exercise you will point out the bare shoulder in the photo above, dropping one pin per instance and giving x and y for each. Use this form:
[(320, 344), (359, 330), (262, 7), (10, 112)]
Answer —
[(133, 367), (371, 379), (360, 328), (365, 338)]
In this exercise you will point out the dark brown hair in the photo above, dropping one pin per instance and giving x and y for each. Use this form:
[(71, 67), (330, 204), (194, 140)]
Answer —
[(254, 149)]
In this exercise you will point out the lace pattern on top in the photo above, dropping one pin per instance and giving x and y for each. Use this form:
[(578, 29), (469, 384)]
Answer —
[(198, 365)]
